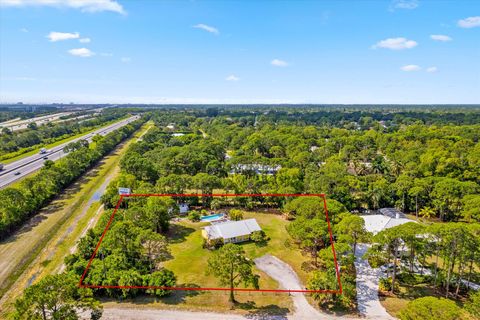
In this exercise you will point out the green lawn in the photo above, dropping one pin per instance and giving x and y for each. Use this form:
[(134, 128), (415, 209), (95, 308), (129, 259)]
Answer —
[(189, 263)]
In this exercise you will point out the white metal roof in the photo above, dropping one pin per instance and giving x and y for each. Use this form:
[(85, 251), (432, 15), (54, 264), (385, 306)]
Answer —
[(378, 222), (231, 229)]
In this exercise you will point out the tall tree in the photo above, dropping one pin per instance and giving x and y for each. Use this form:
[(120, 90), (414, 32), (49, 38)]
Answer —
[(56, 297), (351, 229), (230, 265)]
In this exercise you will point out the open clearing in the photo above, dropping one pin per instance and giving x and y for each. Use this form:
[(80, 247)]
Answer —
[(189, 263)]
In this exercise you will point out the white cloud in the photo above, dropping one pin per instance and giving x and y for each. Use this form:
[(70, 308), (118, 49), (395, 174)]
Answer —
[(106, 54), (61, 36), (81, 52), (232, 77), (432, 69), (440, 37), (84, 40), (469, 22), (207, 28), (410, 67), (396, 44), (24, 29), (403, 4), (125, 59), (82, 5), (278, 63)]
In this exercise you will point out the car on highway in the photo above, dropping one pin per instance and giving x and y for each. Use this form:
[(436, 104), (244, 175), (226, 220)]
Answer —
[(1, 166), (17, 173), (45, 158)]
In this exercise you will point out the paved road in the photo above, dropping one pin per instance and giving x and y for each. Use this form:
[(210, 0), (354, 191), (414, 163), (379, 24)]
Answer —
[(23, 124), (367, 287), (33, 163)]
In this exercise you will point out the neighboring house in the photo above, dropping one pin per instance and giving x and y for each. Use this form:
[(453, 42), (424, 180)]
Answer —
[(255, 167), (388, 218), (183, 207), (231, 231)]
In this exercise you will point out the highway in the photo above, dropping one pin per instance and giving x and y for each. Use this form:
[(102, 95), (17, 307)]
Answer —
[(25, 166), (23, 124), (19, 124)]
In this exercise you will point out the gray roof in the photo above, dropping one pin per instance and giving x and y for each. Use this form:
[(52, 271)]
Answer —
[(392, 212), (231, 229)]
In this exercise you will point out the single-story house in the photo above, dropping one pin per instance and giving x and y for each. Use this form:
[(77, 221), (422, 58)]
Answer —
[(231, 231), (387, 218)]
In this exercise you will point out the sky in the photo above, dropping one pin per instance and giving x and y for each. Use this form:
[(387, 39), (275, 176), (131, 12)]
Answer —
[(328, 52)]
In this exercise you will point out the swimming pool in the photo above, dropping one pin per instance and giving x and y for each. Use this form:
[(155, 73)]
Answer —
[(213, 217)]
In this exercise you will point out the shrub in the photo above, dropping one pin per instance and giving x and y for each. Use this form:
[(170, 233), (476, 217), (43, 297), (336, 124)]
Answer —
[(431, 308), (473, 304), (213, 244), (259, 236), (385, 284), (235, 215), (162, 278), (194, 216)]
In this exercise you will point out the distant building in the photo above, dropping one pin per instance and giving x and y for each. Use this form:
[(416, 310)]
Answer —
[(183, 207), (387, 218), (231, 231), (257, 168)]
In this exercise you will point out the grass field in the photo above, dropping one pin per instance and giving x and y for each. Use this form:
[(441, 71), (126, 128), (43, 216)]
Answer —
[(190, 261), (40, 247)]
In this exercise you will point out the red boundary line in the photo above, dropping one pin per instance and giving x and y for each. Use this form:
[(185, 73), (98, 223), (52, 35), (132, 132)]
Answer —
[(339, 291)]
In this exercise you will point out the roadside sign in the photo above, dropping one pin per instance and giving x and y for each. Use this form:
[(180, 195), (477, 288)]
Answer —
[(124, 191)]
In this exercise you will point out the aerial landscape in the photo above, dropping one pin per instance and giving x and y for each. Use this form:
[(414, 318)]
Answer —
[(239, 159)]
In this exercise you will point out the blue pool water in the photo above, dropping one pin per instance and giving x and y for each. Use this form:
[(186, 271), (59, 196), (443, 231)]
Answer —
[(211, 217)]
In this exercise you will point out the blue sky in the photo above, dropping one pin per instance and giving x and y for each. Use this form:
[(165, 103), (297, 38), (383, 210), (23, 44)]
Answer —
[(98, 51)]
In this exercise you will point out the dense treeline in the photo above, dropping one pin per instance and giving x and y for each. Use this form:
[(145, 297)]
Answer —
[(429, 170), (132, 251), (419, 163), (451, 249), (36, 136), (20, 203)]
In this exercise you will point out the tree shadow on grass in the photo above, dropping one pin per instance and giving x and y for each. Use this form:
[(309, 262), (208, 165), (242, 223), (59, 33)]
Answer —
[(268, 312), (261, 244), (179, 296), (175, 296), (178, 233)]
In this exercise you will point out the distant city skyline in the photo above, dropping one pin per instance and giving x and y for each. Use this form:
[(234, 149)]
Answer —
[(214, 52)]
